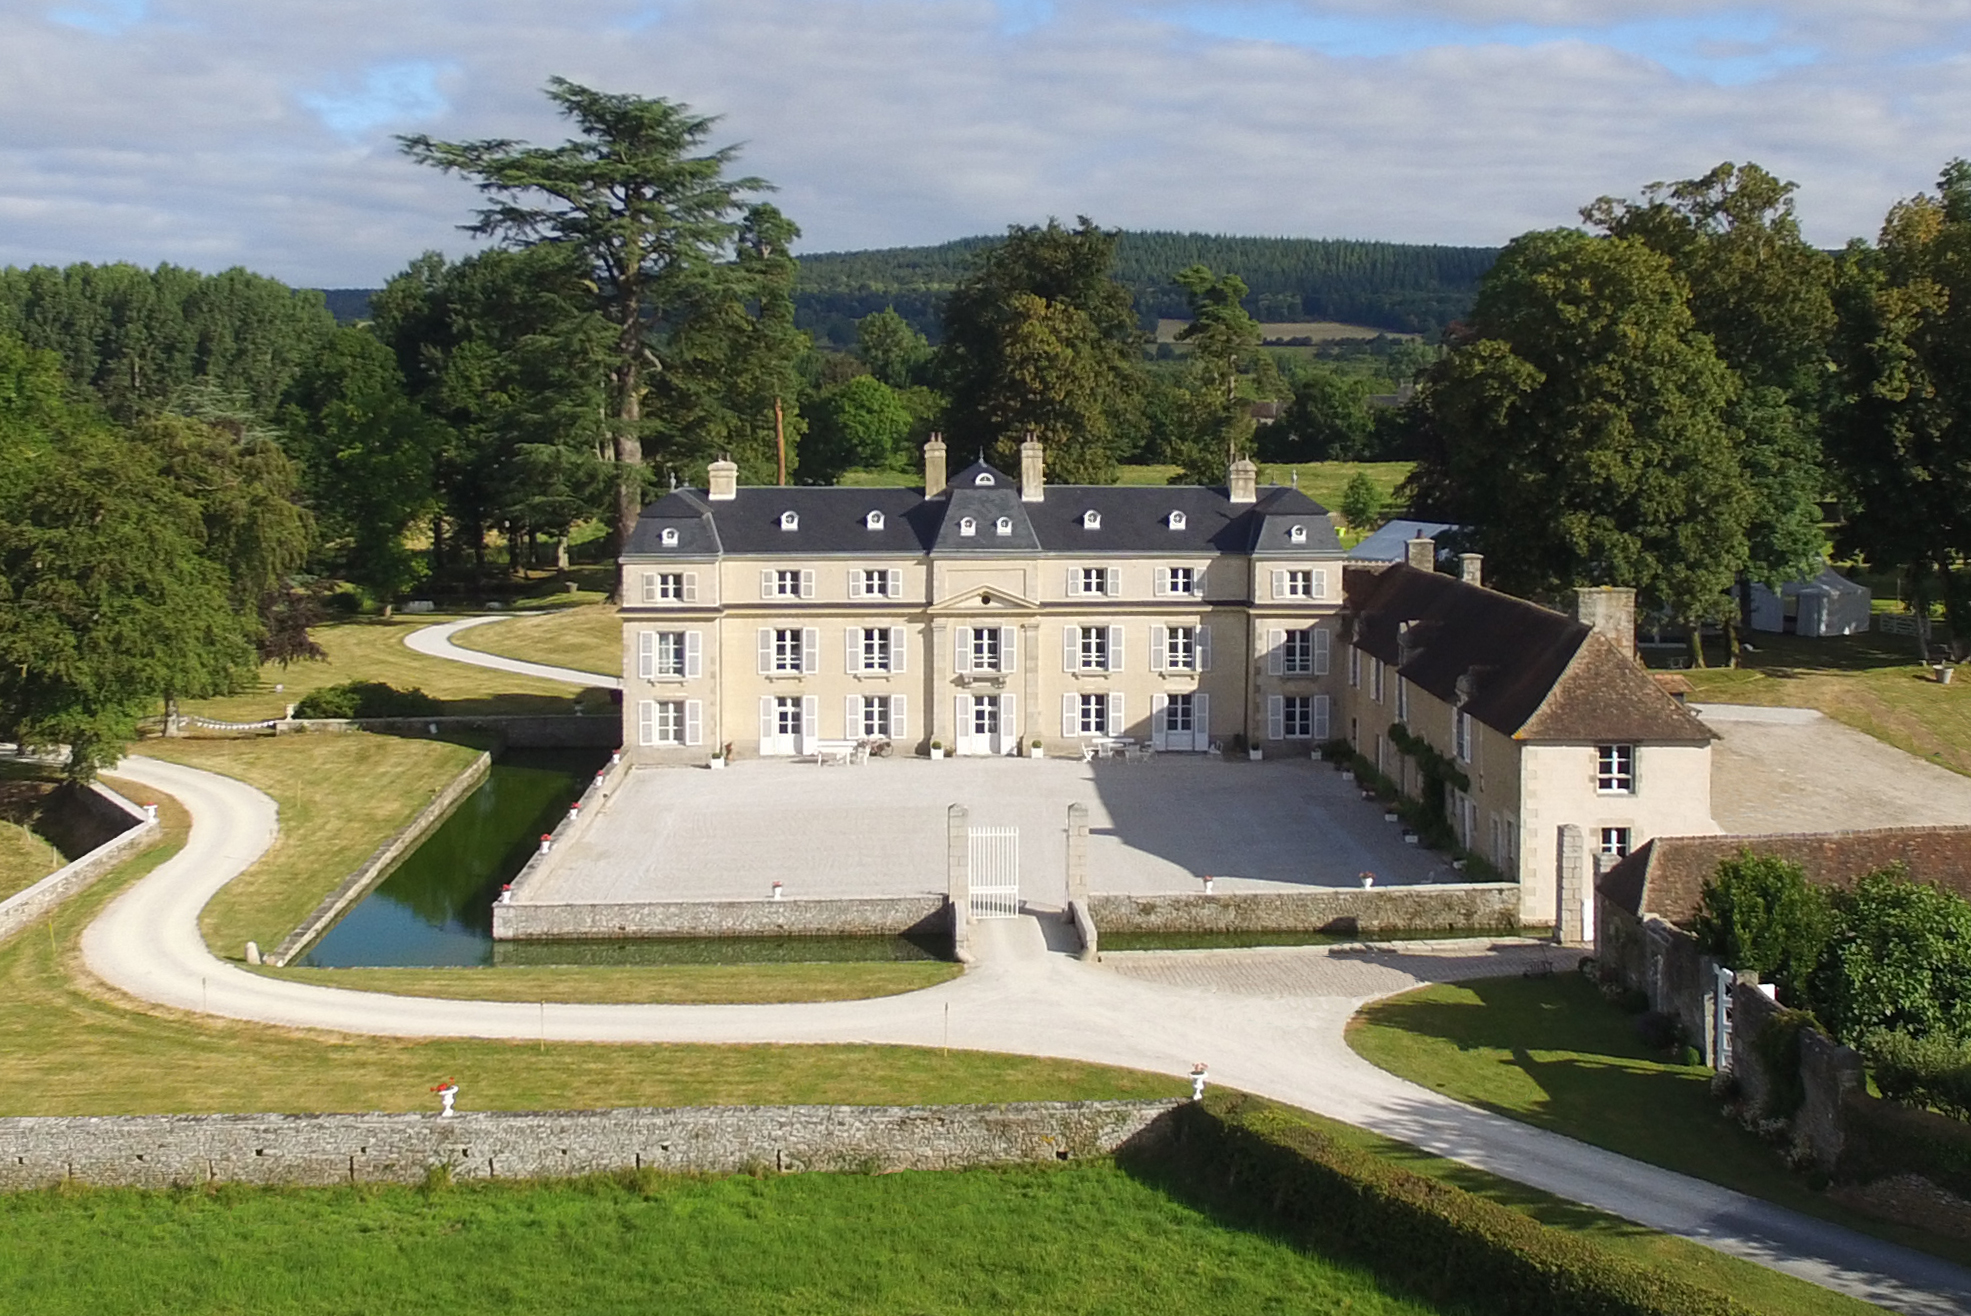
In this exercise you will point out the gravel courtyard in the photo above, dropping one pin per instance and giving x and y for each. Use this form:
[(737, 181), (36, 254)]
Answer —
[(1795, 770), (879, 829)]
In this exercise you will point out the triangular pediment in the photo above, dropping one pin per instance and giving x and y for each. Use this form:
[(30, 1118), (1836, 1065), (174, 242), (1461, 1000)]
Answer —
[(984, 599)]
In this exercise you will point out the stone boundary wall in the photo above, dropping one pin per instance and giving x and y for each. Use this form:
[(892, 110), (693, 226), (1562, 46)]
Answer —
[(109, 809), (1084, 927), (160, 1151), (722, 918), (1465, 907), (386, 857)]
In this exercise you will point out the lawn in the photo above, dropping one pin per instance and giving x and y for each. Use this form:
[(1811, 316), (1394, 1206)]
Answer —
[(668, 984), (1074, 1239), (1552, 1052), (24, 859), (1871, 682), (588, 638), (373, 649), (1321, 481)]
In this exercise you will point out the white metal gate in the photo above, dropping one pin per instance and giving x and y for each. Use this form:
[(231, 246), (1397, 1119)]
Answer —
[(994, 877)]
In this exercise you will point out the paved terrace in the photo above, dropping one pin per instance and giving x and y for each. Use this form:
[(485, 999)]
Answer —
[(878, 830)]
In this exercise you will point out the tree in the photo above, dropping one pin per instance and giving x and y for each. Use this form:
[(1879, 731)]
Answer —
[(1579, 428), (1223, 340), (1328, 420), (1759, 912), (894, 352), (651, 212), (864, 424), (1361, 503), (1039, 338), (1899, 959)]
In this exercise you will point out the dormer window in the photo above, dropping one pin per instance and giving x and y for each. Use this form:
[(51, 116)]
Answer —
[(1297, 534), (874, 521), (984, 480), (790, 521), (1003, 526), (1091, 520), (1175, 520), (967, 526), (669, 538)]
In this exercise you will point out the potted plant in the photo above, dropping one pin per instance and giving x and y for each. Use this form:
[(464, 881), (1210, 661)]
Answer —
[(937, 749), (720, 754), (1255, 753), (1035, 750)]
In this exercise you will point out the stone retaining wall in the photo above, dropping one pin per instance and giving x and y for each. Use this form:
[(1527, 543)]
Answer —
[(722, 918), (553, 731), (1466, 907), (129, 830), (159, 1151)]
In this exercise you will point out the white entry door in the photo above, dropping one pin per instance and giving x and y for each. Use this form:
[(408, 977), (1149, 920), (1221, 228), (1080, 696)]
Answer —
[(985, 725), (1180, 722), (789, 724)]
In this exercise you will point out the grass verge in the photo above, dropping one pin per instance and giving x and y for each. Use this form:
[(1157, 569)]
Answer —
[(1321, 481), (673, 984), (587, 638), (340, 796), (1553, 1053)]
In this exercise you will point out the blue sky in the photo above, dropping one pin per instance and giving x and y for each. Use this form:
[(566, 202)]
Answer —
[(257, 132)]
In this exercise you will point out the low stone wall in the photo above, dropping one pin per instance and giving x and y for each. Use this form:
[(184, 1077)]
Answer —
[(105, 810), (1473, 907), (1084, 927), (570, 826), (571, 731), (160, 1151), (374, 869), (722, 918)]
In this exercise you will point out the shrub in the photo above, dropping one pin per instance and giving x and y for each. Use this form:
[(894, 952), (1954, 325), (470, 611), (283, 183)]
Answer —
[(1759, 912), (1921, 1071), (366, 699), (1899, 960)]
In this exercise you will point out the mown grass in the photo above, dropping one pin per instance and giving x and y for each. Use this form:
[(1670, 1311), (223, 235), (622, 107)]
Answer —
[(373, 649), (1870, 682), (70, 1046), (24, 859), (1552, 1052), (668, 984), (340, 795), (588, 638), (1321, 481), (1080, 1239)]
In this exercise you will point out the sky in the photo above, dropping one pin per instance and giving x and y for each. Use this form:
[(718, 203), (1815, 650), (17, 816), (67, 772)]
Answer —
[(213, 133)]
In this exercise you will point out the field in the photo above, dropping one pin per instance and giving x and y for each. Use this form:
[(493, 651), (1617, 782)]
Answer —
[(1321, 481), (1321, 331), (588, 638)]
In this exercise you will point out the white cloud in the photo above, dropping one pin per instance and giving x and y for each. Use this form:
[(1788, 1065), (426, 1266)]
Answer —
[(215, 132)]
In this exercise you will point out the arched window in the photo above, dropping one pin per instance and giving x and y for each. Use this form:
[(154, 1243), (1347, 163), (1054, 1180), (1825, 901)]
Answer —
[(1176, 520), (967, 526), (790, 521), (670, 538), (984, 479), (1091, 520), (873, 521), (1003, 526)]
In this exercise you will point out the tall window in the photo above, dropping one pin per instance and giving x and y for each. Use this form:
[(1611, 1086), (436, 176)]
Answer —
[(1181, 649), (787, 714), (1297, 717), (669, 656), (1402, 700), (1297, 657), (1354, 666), (668, 723), (1094, 648), (1461, 736), (876, 715), (985, 649), (876, 649), (1094, 715), (787, 584), (1615, 769), (985, 715), (1183, 580), (1178, 715), (787, 650), (1376, 667)]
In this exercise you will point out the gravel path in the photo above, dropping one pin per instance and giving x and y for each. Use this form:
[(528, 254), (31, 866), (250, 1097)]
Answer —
[(436, 641)]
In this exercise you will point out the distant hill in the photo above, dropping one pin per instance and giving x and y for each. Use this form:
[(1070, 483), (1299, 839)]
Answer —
[(349, 305)]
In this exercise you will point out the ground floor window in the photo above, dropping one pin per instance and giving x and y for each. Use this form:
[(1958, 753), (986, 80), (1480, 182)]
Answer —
[(1298, 717), (669, 721), (1615, 842), (1179, 714), (985, 715), (1094, 715), (875, 715), (787, 715)]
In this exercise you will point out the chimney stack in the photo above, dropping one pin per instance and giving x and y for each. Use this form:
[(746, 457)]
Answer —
[(1610, 610), (934, 476), (1033, 485), (1421, 553), (1242, 481), (722, 480), (1471, 568)]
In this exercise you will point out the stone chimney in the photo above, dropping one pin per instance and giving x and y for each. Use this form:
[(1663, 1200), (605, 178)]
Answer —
[(1033, 463), (722, 477), (934, 477), (1243, 481), (1421, 553), (1611, 610), (1471, 568)]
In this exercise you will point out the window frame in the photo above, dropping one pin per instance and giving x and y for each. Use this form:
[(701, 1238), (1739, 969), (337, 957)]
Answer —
[(786, 653), (1093, 644), (1615, 768)]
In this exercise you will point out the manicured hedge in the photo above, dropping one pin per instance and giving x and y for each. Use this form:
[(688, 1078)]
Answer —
[(367, 699), (1442, 1242), (1922, 1071), (1886, 1138)]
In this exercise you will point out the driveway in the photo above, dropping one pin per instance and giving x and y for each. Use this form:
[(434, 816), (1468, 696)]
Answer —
[(1795, 770), (436, 641)]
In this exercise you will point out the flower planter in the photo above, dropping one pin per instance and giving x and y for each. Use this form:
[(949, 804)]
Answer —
[(1943, 671), (1346, 775), (1036, 753), (1255, 754), (937, 753), (1389, 815), (717, 764), (1315, 754), (1409, 838)]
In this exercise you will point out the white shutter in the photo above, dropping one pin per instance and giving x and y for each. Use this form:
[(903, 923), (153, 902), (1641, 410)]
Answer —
[(807, 583), (1201, 650), (961, 717), (1071, 649), (1276, 655), (1070, 716), (899, 642), (694, 721), (1162, 586), (1009, 725), (646, 722), (852, 718), (1322, 641), (810, 722), (1320, 717), (1198, 581), (853, 649), (1201, 721), (1276, 717), (1009, 649), (1319, 589), (1115, 648), (893, 583), (1159, 648), (899, 718), (810, 653), (691, 587), (1074, 581), (1159, 719), (961, 650), (1117, 725), (649, 587), (694, 654), (646, 655), (766, 584), (1279, 584), (855, 582), (767, 727), (1112, 581), (766, 650)]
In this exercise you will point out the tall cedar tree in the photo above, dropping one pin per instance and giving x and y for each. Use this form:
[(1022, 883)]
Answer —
[(651, 212), (1038, 337), (1224, 340), (1580, 429)]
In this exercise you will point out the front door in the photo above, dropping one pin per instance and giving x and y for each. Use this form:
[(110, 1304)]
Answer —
[(787, 725), (986, 725), (1181, 722)]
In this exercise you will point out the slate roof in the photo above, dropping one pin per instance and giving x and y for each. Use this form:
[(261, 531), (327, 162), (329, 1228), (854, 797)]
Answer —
[(1666, 875), (1525, 670), (1389, 540), (1135, 520)]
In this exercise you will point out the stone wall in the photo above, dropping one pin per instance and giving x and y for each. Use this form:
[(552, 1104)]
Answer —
[(1466, 907), (159, 1151), (722, 918), (600, 731), (128, 829)]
